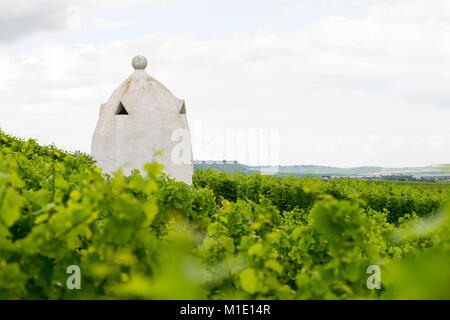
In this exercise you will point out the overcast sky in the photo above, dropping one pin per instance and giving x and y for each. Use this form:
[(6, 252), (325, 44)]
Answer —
[(343, 83)]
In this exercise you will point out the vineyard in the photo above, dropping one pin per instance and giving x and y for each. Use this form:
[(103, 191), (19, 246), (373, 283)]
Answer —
[(235, 236)]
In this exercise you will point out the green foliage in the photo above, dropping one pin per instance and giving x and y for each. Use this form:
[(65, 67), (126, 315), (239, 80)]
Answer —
[(146, 236), (290, 193)]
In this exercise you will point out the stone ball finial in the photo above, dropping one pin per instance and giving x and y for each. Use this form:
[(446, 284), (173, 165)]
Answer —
[(139, 62)]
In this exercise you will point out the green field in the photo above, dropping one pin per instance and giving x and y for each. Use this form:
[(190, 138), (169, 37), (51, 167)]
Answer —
[(438, 185), (228, 236)]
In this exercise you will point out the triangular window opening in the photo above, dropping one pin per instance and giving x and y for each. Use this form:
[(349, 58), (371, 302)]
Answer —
[(121, 110), (183, 109)]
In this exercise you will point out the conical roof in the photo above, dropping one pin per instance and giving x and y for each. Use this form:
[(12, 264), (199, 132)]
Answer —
[(139, 88)]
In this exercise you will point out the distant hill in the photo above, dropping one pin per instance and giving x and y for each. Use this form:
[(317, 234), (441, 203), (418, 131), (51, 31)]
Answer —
[(312, 170), (219, 166)]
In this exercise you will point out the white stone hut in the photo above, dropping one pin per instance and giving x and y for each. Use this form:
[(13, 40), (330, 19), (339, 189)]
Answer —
[(143, 122)]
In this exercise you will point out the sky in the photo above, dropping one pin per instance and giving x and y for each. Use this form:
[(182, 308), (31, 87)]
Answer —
[(341, 83)]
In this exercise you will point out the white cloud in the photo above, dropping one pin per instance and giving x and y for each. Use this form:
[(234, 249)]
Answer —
[(27, 17), (364, 90)]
